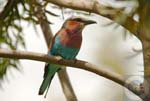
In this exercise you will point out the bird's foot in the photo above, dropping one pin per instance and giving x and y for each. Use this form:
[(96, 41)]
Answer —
[(59, 59), (75, 61)]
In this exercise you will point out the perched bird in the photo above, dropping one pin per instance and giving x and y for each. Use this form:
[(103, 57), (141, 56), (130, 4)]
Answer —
[(66, 43)]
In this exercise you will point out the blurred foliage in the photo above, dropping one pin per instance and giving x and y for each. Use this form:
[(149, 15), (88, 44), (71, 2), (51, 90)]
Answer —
[(12, 13), (10, 32)]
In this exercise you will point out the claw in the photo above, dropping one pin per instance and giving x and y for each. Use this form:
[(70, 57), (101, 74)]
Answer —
[(75, 61), (59, 59)]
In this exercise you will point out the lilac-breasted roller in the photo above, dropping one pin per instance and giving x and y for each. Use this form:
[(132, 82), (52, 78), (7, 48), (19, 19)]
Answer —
[(66, 43)]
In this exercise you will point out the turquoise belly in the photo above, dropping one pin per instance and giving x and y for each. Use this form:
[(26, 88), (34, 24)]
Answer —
[(61, 50)]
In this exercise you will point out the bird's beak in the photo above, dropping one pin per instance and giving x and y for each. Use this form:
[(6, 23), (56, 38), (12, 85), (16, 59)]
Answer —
[(87, 22)]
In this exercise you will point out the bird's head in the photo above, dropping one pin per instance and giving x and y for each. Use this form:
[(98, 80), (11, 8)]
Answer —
[(74, 22)]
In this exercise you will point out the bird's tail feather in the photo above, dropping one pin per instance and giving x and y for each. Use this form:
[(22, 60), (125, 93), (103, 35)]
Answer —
[(47, 90), (45, 84), (50, 71)]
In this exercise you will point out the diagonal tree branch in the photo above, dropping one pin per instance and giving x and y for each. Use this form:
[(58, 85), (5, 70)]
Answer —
[(8, 7), (144, 33), (79, 64), (94, 6)]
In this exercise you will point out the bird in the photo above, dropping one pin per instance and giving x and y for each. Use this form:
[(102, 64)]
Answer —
[(66, 43)]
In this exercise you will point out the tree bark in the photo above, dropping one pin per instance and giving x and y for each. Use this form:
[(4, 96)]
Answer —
[(144, 34), (78, 64)]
